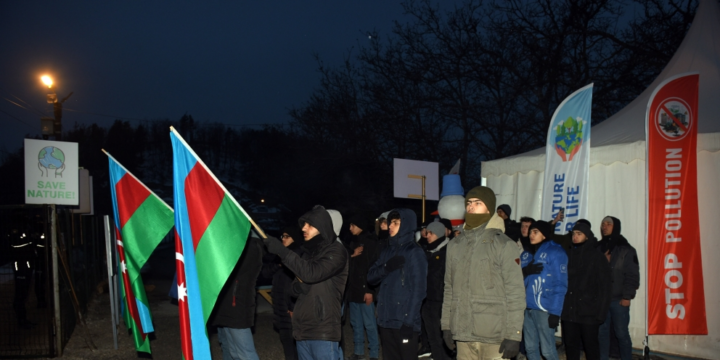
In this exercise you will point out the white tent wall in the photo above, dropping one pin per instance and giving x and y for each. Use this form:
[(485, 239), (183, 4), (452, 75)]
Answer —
[(618, 189)]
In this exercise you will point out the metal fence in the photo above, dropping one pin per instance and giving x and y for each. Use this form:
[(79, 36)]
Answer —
[(44, 292)]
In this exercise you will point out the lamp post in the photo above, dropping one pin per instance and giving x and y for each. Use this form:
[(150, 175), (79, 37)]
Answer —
[(57, 108)]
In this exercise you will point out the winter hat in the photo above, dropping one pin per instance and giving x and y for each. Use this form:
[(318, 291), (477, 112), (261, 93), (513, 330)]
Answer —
[(584, 228), (544, 227), (585, 222), (505, 208), (608, 219), (437, 228), (294, 232), (447, 223), (360, 222)]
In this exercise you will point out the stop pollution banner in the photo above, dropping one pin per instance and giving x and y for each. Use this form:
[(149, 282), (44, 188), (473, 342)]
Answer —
[(676, 298), (567, 160)]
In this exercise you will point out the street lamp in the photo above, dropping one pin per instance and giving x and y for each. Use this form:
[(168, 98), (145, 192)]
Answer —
[(57, 108)]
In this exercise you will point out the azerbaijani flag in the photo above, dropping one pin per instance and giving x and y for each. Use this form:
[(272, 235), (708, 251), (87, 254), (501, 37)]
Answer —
[(211, 231), (142, 220)]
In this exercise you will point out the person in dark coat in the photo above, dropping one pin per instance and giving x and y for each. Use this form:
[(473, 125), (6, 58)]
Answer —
[(625, 278), (588, 295), (234, 312), (435, 253), (401, 272), (512, 227), (321, 273), (359, 294), (283, 303)]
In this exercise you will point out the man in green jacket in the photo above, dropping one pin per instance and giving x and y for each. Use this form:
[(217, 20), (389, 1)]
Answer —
[(484, 295)]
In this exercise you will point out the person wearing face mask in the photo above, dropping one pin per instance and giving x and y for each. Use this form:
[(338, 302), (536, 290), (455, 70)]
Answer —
[(484, 295), (401, 272)]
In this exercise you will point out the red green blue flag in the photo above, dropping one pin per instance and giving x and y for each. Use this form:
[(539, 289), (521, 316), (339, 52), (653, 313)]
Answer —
[(142, 220), (211, 231)]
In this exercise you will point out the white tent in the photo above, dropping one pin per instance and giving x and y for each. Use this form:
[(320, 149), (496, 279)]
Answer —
[(617, 179)]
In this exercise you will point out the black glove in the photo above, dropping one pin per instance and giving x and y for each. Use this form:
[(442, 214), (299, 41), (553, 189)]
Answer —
[(553, 321), (407, 332), (300, 288), (509, 348), (395, 262), (276, 247), (449, 342), (532, 269)]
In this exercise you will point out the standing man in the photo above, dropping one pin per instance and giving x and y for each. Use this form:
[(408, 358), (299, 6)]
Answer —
[(625, 282), (588, 295), (234, 313), (360, 296), (484, 296), (321, 272), (436, 254), (512, 228), (401, 272)]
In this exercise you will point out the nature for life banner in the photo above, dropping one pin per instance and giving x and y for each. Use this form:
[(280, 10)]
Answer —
[(51, 172), (676, 298), (567, 160)]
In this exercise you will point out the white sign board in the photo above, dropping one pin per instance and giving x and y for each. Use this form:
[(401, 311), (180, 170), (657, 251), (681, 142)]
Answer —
[(51, 172), (405, 186)]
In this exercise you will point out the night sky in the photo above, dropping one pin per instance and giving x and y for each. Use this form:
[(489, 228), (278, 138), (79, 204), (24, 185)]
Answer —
[(240, 62)]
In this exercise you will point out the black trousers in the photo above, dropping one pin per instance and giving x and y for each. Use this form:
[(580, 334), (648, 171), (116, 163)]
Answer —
[(581, 335), (23, 277), (394, 346), (288, 343), (431, 313)]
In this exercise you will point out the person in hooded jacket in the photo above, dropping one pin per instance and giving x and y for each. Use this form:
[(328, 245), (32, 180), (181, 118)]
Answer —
[(483, 295), (545, 272), (360, 295), (588, 295), (625, 279), (436, 254), (401, 271), (282, 302), (234, 312), (512, 227), (321, 273)]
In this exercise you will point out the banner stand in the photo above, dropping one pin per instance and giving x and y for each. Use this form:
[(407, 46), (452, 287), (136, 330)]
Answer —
[(111, 279)]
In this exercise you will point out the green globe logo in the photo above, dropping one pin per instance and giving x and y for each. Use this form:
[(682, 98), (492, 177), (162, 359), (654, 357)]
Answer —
[(51, 158)]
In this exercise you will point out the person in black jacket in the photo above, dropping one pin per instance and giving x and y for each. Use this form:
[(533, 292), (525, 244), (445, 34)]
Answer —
[(360, 295), (401, 271), (625, 282), (588, 295), (321, 273), (432, 306), (512, 227), (282, 302), (234, 312)]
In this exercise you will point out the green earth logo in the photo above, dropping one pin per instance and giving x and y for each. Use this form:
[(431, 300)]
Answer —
[(51, 158), (569, 137)]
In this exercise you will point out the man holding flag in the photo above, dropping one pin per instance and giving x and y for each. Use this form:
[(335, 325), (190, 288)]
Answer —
[(321, 275)]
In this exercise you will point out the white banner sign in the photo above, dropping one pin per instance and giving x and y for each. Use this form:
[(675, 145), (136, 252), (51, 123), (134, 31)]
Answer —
[(567, 161), (51, 172)]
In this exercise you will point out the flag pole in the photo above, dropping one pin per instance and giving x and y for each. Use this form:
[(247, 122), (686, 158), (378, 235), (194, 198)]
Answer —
[(255, 225)]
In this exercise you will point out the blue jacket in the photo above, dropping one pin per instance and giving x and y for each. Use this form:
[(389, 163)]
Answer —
[(402, 291), (546, 291)]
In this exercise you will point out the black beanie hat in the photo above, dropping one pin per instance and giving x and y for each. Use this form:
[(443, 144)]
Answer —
[(360, 222), (506, 208), (447, 223), (485, 194), (584, 228), (295, 233), (544, 227)]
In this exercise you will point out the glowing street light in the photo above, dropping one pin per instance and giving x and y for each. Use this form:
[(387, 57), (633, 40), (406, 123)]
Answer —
[(47, 80)]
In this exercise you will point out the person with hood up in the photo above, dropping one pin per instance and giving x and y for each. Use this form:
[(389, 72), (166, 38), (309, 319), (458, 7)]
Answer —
[(283, 304), (512, 227), (360, 296), (321, 272), (588, 294), (524, 241), (436, 254), (545, 272), (483, 296), (625, 279), (234, 312), (401, 271)]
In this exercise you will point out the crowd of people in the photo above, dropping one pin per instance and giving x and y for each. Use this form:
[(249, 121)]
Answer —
[(489, 288)]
